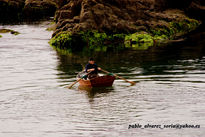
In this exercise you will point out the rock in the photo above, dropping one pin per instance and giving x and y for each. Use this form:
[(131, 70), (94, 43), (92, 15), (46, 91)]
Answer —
[(171, 4), (19, 10), (52, 26), (197, 9), (117, 16), (9, 30), (81, 19), (89, 19), (39, 8), (10, 10), (102, 15)]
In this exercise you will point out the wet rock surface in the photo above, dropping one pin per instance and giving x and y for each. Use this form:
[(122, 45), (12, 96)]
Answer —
[(10, 9), (43, 8), (9, 31), (124, 16), (109, 21), (19, 10), (104, 22)]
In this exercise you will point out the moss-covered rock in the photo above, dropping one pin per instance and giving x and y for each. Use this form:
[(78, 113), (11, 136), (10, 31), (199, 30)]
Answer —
[(68, 41), (142, 40), (62, 40), (92, 40), (52, 26), (9, 31), (37, 9), (101, 41), (184, 26)]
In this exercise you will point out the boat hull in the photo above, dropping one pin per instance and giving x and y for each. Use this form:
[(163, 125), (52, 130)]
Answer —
[(101, 81)]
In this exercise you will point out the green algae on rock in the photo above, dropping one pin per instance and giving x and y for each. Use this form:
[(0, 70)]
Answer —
[(175, 29), (93, 40), (141, 41), (9, 30), (100, 41), (62, 38), (66, 40), (104, 23)]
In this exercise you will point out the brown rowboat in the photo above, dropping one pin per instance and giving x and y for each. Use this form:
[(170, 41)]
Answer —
[(100, 81)]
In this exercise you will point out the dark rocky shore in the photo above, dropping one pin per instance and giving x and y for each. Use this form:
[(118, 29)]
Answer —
[(102, 24), (21, 10)]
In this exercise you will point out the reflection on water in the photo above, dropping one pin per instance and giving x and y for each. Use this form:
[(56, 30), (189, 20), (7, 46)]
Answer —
[(93, 92), (156, 63), (34, 100)]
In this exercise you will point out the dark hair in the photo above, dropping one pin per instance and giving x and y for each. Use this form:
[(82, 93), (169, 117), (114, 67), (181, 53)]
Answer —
[(91, 59)]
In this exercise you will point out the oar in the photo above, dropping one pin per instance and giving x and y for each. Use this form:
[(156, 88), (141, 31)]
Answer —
[(78, 80), (131, 82)]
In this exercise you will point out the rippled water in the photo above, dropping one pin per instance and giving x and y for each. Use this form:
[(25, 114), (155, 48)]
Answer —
[(34, 100)]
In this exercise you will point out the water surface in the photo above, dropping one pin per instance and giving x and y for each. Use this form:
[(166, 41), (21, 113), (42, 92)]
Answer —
[(34, 100)]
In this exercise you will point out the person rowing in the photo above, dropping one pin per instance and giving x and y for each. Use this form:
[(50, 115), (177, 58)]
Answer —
[(92, 69)]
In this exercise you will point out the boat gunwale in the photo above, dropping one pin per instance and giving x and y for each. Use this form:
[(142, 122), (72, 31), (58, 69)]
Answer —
[(111, 79)]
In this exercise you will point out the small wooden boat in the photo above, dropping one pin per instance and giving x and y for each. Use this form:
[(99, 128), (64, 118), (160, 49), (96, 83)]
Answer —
[(100, 81)]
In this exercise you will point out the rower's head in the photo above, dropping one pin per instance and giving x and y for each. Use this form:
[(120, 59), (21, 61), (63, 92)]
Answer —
[(91, 61)]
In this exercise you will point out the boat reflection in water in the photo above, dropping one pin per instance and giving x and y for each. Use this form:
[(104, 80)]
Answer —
[(98, 85), (93, 92)]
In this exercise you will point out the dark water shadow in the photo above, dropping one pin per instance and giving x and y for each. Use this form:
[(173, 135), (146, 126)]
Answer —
[(172, 59), (93, 92), (124, 61)]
